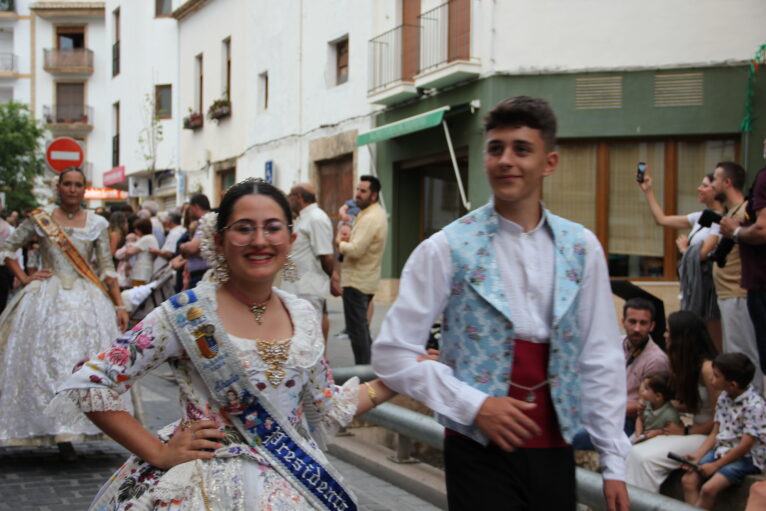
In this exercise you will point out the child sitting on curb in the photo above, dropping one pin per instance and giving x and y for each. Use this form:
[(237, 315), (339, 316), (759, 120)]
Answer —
[(735, 447), (656, 391)]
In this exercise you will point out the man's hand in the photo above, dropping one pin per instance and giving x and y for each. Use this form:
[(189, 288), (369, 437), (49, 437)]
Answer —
[(503, 420), (727, 226), (616, 495)]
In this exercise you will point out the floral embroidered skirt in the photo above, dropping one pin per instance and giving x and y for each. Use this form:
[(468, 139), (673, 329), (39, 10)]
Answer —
[(236, 483)]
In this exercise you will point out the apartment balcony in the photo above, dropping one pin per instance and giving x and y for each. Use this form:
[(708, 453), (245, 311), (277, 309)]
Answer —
[(8, 15), (445, 46), (393, 58), (77, 62), (70, 120), (8, 66)]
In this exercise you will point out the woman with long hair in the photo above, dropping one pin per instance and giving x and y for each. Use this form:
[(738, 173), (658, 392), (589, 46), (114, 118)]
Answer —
[(257, 396), (118, 229), (691, 353), (695, 270), (62, 314)]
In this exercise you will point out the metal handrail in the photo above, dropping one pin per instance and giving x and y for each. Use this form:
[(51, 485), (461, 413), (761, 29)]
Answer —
[(8, 62), (387, 56), (425, 429)]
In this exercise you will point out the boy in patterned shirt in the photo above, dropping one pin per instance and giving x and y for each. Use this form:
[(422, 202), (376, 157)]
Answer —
[(735, 447)]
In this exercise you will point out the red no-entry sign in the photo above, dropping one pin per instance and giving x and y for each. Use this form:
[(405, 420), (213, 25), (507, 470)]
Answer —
[(64, 152)]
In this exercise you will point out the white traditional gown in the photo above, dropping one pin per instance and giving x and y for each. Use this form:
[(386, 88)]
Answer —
[(47, 328), (238, 477)]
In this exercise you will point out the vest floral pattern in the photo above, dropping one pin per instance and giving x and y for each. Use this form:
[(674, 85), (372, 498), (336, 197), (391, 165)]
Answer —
[(478, 330)]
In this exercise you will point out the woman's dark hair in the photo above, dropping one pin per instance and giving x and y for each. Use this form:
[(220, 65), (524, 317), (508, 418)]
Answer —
[(710, 176), (690, 346), (144, 225), (73, 169), (251, 186), (118, 221)]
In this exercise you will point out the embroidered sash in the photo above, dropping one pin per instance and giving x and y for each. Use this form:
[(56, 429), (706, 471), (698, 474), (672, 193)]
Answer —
[(263, 426), (58, 238)]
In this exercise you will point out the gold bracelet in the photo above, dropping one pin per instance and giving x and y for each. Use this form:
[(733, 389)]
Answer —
[(372, 394)]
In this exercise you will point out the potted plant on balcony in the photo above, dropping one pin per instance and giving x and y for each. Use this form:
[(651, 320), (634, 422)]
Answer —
[(220, 109), (193, 121)]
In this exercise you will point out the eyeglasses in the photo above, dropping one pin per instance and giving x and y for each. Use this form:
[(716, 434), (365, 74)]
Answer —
[(242, 232)]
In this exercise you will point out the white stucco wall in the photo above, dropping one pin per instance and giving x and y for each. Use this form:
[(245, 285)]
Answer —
[(561, 35), (148, 57)]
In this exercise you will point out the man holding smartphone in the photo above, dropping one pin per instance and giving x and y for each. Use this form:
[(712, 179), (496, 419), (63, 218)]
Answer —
[(528, 352)]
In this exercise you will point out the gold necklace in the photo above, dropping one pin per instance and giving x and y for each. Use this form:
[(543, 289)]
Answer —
[(258, 309), (274, 354)]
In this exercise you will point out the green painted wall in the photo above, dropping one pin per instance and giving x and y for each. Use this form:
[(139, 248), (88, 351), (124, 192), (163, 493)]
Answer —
[(721, 113)]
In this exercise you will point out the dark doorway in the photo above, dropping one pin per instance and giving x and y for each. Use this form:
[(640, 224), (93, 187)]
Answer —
[(426, 199)]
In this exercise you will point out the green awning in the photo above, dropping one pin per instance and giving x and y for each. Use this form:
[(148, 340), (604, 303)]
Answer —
[(412, 124)]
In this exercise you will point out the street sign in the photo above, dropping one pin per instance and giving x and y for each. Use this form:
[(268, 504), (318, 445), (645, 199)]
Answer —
[(269, 172), (64, 152)]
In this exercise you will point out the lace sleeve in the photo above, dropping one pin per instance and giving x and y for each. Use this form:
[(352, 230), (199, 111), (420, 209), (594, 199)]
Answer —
[(97, 385), (104, 255), (17, 240), (328, 407)]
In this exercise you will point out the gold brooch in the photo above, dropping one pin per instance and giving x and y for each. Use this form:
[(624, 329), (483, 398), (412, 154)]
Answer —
[(275, 355)]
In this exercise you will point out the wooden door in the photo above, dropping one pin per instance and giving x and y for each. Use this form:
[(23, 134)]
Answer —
[(336, 185)]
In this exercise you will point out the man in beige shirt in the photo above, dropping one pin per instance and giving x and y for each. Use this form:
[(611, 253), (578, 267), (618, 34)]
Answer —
[(738, 331), (362, 252)]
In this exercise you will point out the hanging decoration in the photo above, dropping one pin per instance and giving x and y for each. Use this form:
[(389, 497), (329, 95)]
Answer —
[(759, 59)]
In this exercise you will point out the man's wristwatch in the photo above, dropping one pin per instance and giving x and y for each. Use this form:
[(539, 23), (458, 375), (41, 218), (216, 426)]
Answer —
[(735, 235)]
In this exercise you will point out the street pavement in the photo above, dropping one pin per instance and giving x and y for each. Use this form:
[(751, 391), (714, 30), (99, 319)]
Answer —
[(39, 479)]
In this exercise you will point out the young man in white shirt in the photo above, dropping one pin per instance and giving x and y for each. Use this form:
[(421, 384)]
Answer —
[(528, 349)]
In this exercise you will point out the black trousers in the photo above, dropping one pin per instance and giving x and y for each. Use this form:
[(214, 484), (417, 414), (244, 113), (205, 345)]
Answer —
[(481, 477), (355, 305), (756, 306)]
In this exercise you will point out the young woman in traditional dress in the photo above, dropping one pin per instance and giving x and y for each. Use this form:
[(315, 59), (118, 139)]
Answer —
[(258, 398), (65, 311)]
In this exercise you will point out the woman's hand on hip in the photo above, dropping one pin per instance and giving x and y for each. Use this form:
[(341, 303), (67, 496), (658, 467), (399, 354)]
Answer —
[(193, 440)]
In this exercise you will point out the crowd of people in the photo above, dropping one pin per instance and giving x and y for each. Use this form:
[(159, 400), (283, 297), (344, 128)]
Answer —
[(531, 364)]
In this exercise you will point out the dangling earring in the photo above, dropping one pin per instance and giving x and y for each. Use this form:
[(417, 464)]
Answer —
[(289, 270), (220, 269)]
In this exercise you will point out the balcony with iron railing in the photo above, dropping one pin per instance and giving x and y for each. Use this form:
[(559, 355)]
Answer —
[(7, 6), (393, 58), (445, 45), (74, 61), (68, 119), (8, 65)]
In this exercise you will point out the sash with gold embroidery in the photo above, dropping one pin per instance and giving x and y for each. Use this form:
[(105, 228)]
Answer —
[(58, 238), (262, 425)]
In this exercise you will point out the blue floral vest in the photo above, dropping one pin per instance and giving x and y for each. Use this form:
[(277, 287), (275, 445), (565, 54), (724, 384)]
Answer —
[(478, 332)]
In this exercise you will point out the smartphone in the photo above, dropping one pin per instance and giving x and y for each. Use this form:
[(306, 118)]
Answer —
[(640, 171), (677, 457)]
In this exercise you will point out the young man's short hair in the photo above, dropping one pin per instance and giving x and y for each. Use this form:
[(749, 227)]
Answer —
[(374, 182), (736, 367), (641, 304), (734, 172), (520, 111), (661, 382)]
